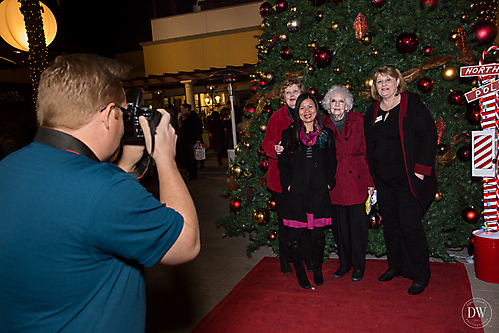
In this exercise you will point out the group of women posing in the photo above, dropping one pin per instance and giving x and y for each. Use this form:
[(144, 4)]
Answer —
[(322, 169)]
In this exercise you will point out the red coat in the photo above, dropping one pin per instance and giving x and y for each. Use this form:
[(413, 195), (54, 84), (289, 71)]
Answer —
[(352, 175), (278, 122)]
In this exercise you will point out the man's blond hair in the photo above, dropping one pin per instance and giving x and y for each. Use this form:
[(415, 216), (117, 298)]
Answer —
[(75, 87)]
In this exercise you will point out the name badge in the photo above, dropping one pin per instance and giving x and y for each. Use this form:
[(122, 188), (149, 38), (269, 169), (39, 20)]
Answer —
[(379, 118)]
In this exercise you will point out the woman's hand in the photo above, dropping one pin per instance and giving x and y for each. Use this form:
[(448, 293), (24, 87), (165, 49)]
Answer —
[(278, 148), (289, 188), (420, 176)]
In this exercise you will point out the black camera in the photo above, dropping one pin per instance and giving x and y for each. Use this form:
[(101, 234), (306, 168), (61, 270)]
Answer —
[(133, 132)]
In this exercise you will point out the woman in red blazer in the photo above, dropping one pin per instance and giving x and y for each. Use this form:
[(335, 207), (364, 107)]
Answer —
[(353, 180)]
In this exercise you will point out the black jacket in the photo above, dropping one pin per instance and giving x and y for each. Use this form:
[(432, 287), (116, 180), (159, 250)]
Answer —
[(308, 177), (419, 144)]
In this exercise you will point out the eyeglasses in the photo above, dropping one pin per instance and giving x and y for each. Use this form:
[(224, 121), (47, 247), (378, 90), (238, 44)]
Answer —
[(127, 115)]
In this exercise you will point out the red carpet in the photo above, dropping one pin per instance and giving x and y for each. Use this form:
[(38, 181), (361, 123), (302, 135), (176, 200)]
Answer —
[(268, 301)]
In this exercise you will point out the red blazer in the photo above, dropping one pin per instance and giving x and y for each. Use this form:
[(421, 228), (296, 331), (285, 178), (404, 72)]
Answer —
[(278, 122), (352, 175)]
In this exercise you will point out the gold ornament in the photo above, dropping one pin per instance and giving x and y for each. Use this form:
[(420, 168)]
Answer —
[(335, 26), (292, 9), (248, 174), (438, 196), (454, 36), (263, 127), (239, 148), (347, 85), (312, 46), (311, 69), (366, 40), (368, 82), (236, 171), (231, 184), (260, 216), (449, 73), (337, 70), (375, 53), (283, 37)]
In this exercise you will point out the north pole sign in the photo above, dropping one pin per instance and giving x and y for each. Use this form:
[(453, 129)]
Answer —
[(481, 91)]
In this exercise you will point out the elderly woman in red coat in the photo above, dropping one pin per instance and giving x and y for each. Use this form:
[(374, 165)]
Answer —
[(353, 181)]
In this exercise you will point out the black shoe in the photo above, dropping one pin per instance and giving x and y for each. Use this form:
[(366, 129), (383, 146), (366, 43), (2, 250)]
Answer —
[(417, 287), (318, 277), (285, 267), (357, 275), (301, 275), (389, 274), (340, 272), (309, 264)]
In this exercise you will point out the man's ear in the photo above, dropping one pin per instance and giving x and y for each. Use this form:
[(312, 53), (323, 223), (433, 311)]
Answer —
[(105, 114)]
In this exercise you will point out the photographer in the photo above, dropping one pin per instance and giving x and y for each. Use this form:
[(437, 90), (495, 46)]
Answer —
[(76, 231)]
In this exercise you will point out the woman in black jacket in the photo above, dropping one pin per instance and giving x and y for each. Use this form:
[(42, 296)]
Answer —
[(307, 167), (401, 141)]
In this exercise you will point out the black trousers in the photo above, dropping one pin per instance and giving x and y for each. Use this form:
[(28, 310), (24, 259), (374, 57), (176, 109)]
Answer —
[(350, 231), (406, 244), (283, 235)]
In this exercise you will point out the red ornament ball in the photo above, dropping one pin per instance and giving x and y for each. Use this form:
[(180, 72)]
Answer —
[(428, 5), (456, 98), (470, 215), (473, 114), (271, 204), (264, 165), (272, 235), (428, 50), (267, 108), (265, 9), (254, 89), (281, 6), (249, 109), (407, 42), (375, 218), (319, 16), (464, 153), (378, 3), (262, 84), (442, 148), (286, 53), (313, 91), (323, 57), (484, 32), (425, 84), (235, 205)]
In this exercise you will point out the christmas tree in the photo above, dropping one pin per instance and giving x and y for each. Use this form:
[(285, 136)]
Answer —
[(343, 43)]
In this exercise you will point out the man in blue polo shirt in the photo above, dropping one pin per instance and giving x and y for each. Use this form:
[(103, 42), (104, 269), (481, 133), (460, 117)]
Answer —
[(76, 231)]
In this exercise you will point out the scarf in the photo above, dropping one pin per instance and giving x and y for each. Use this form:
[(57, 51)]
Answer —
[(316, 135)]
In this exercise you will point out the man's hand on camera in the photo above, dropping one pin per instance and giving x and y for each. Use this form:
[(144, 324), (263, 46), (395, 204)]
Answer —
[(165, 139), (130, 157)]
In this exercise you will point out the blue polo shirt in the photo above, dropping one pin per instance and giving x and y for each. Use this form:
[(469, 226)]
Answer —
[(74, 238)]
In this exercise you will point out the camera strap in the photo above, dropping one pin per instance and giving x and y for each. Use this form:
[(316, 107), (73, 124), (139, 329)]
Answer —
[(61, 140)]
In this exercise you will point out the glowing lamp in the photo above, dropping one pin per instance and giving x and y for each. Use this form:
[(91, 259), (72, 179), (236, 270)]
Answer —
[(13, 29)]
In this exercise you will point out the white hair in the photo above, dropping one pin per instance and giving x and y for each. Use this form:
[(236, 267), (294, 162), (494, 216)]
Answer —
[(347, 95)]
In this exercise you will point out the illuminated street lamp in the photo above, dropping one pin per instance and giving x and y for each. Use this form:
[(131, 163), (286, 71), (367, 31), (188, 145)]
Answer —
[(13, 28)]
